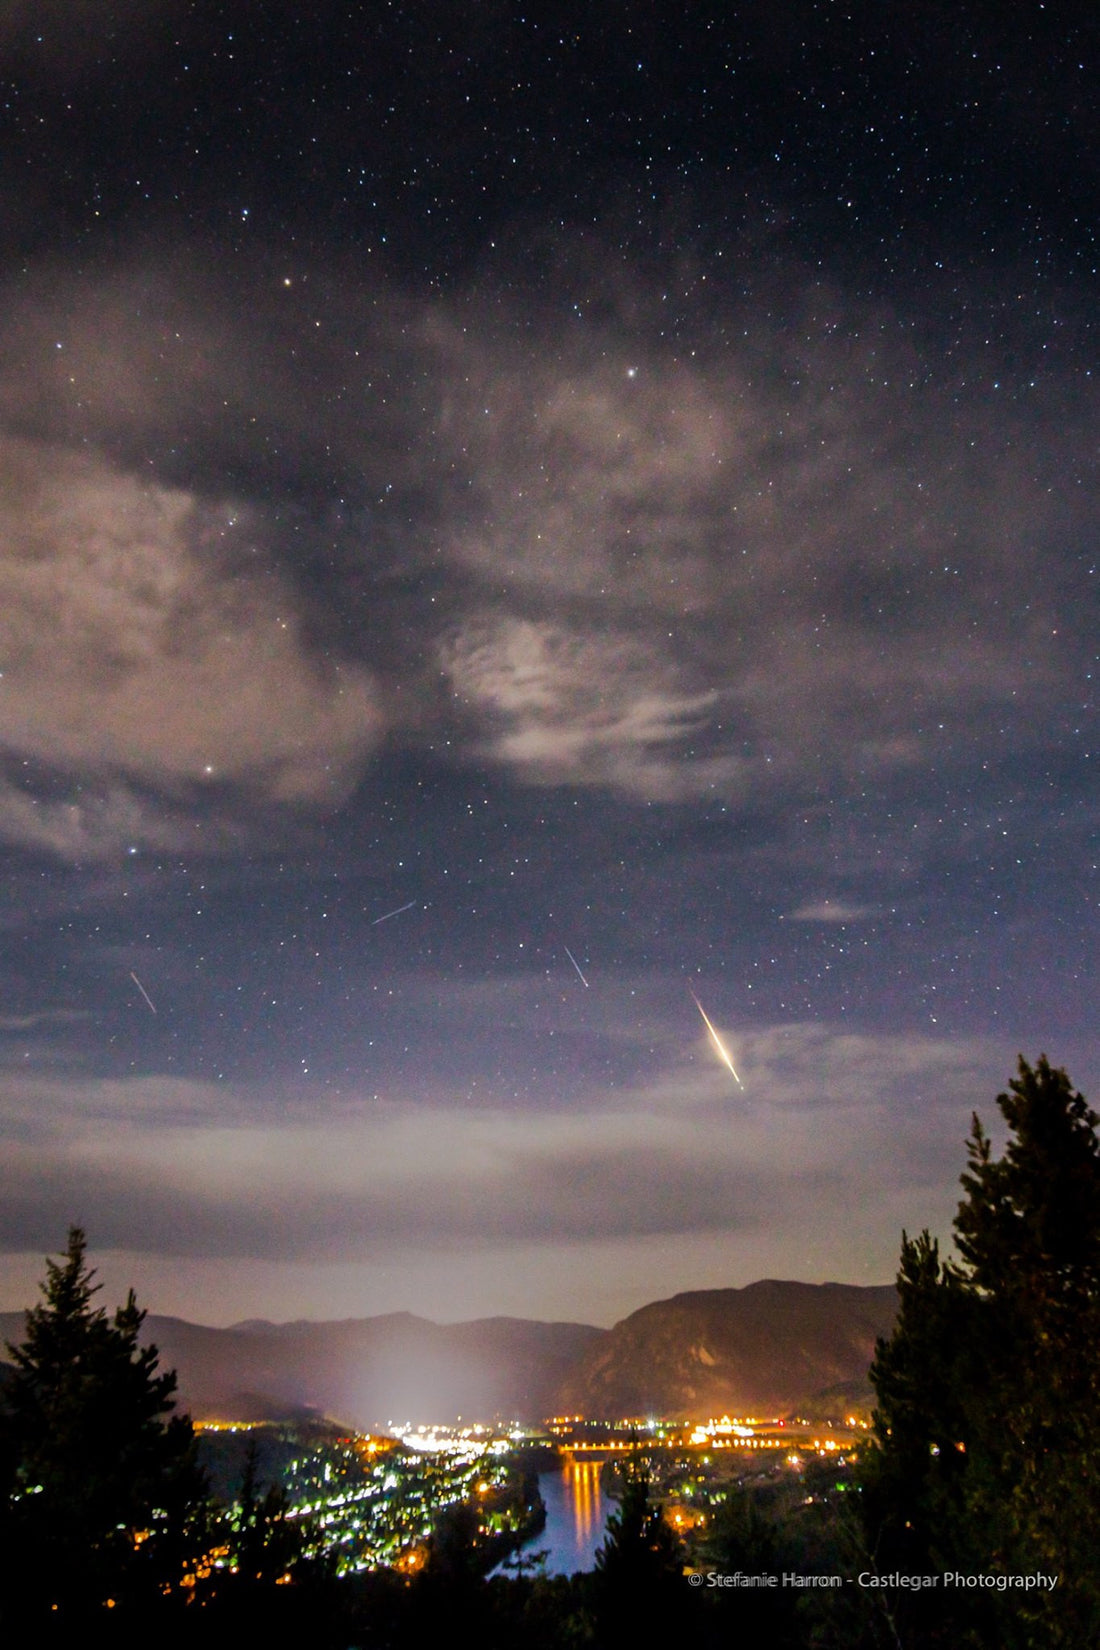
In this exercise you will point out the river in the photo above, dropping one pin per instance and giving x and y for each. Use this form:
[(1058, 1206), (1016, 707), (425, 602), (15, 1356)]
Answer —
[(576, 1514)]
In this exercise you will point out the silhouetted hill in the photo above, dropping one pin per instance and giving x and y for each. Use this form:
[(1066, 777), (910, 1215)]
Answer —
[(770, 1348), (365, 1371), (765, 1349)]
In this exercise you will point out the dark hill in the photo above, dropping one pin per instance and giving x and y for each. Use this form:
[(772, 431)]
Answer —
[(768, 1348), (365, 1371), (764, 1349)]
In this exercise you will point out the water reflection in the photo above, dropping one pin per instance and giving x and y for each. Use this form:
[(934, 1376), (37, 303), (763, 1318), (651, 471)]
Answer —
[(581, 1480), (576, 1515)]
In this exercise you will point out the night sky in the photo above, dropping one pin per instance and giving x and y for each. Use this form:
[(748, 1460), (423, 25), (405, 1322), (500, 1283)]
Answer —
[(485, 482)]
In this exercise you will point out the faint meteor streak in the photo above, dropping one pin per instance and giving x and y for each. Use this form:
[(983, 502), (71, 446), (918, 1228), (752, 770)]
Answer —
[(576, 965), (723, 1052), (396, 913), (143, 991)]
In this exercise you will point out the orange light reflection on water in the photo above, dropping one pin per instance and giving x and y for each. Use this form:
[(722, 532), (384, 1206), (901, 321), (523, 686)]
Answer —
[(582, 1488)]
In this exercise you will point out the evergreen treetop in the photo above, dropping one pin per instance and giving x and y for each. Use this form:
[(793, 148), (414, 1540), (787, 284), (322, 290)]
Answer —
[(988, 1394), (104, 1487)]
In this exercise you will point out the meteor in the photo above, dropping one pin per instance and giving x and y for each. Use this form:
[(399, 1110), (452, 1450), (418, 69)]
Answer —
[(143, 991), (576, 965), (396, 913), (723, 1052)]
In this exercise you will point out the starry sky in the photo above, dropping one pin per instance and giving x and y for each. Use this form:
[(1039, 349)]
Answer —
[(513, 516)]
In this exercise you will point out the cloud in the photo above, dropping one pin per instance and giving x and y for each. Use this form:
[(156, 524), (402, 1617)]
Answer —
[(805, 553), (832, 910), (563, 708), (169, 1166), (800, 557), (99, 821), (437, 1178), (44, 1017), (133, 660), (608, 482)]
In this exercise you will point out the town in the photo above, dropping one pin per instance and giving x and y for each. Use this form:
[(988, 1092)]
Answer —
[(373, 1501)]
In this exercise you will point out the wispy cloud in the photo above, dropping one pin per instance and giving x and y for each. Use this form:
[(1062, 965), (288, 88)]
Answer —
[(167, 1166), (565, 708), (808, 556), (132, 656), (44, 1017), (832, 910)]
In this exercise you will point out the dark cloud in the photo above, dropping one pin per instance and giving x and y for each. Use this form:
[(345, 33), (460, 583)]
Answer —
[(162, 1168), (786, 559), (578, 1200)]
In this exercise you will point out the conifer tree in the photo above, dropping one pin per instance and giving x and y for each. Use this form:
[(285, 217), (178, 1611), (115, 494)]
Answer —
[(638, 1586), (265, 1543), (105, 1492), (989, 1388)]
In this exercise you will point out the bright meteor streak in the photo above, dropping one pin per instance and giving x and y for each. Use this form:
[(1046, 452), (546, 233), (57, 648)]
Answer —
[(396, 913), (576, 965), (142, 989), (723, 1052)]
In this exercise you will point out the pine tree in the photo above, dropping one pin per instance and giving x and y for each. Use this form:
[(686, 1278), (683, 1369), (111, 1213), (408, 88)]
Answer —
[(265, 1544), (989, 1388), (638, 1585), (105, 1489)]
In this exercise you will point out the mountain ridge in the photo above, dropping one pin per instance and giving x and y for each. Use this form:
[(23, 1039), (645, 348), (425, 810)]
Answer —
[(765, 1347), (762, 1347)]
